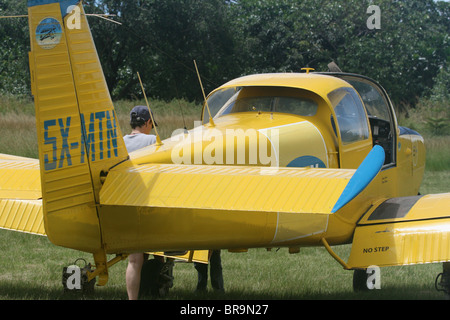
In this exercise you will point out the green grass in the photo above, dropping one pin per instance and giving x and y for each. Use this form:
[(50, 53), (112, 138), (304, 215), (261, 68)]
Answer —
[(35, 274), (437, 153), (31, 267), (18, 131), (431, 119), (435, 182)]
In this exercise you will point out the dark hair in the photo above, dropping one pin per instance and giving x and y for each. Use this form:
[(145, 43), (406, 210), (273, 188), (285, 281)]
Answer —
[(136, 121)]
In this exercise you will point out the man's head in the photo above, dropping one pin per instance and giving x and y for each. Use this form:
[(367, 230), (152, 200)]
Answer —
[(140, 116)]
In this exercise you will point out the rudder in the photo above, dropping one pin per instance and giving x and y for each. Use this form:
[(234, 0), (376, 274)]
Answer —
[(78, 132)]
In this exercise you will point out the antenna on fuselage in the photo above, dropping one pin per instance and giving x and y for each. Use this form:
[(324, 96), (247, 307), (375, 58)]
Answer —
[(158, 139), (333, 67), (98, 15), (211, 122)]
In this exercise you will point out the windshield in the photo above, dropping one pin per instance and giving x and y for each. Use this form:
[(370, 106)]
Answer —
[(350, 115), (260, 99)]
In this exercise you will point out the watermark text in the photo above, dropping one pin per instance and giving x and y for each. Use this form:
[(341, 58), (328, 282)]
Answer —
[(374, 21)]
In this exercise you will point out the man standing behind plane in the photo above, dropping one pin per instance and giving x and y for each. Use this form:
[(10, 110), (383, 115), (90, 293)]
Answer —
[(141, 125)]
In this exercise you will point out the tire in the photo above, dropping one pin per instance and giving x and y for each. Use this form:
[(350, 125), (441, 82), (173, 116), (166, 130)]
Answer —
[(360, 280)]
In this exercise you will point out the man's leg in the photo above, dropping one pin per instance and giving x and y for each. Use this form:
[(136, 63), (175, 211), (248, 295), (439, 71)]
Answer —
[(133, 274), (202, 273), (216, 271)]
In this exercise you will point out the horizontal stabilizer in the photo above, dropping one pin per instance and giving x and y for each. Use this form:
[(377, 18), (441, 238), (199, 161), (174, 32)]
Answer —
[(19, 178), (20, 195), (22, 216)]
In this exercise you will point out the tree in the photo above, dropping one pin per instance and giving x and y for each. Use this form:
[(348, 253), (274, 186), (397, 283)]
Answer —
[(404, 55), (160, 40), (14, 45)]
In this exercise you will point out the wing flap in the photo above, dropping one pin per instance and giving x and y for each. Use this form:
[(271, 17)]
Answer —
[(415, 230)]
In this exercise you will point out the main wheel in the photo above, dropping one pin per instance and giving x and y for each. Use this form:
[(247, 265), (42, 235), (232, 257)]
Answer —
[(360, 280)]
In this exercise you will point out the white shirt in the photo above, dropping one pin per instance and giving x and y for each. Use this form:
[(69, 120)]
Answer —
[(139, 140)]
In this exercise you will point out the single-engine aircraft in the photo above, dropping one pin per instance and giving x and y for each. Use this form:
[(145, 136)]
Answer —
[(280, 160)]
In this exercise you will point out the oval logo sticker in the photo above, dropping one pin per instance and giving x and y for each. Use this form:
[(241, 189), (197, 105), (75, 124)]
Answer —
[(48, 33)]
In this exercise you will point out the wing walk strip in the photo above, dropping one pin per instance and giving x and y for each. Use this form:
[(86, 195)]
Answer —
[(298, 190)]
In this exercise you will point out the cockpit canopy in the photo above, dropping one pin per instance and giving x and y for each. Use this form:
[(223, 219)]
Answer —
[(355, 107), (348, 107), (261, 99)]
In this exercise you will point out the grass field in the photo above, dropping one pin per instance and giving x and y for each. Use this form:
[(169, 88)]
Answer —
[(31, 267)]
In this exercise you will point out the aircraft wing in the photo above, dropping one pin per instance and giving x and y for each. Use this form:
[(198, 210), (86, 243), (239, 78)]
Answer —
[(20, 195), (402, 231), (298, 190), (268, 189), (203, 206)]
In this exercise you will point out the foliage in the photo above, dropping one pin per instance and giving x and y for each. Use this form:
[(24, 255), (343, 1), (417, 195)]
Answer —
[(14, 47), (431, 114), (441, 88), (404, 55), (160, 40)]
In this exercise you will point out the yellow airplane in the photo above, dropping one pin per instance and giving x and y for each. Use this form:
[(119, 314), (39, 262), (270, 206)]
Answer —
[(280, 160)]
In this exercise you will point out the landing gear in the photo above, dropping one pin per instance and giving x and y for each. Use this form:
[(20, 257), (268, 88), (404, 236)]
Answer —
[(76, 279), (367, 279), (364, 280), (83, 279), (360, 280), (156, 278), (442, 282)]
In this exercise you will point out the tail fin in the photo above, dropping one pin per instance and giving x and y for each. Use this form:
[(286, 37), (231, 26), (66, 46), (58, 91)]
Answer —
[(78, 132)]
